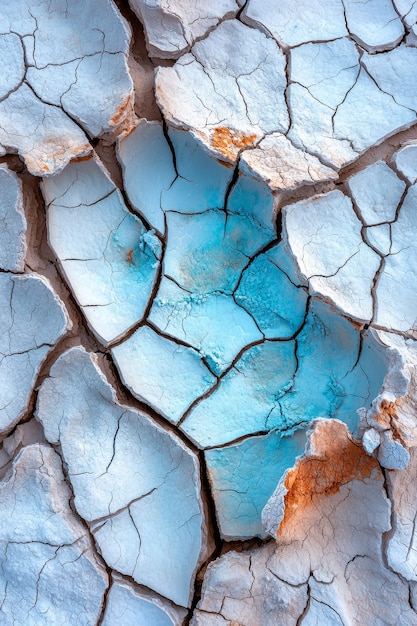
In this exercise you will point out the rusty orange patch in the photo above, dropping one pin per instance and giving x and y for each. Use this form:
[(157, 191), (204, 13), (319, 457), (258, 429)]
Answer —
[(388, 418), (229, 142), (86, 157), (121, 111), (225, 163), (338, 460)]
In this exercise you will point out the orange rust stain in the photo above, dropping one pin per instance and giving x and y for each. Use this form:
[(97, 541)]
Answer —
[(225, 163), (129, 257), (129, 129), (388, 418), (228, 141), (338, 460), (56, 151), (121, 111), (86, 157), (356, 325)]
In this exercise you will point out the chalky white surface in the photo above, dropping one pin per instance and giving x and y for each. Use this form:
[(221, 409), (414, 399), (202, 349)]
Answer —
[(368, 283), (67, 74), (377, 192), (32, 320), (406, 161), (171, 27), (49, 572), (149, 526), (331, 106), (227, 74), (374, 24), (234, 590)]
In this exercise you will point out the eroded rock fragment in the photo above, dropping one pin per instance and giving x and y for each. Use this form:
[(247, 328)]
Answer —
[(331, 99), (316, 20), (360, 258), (56, 87), (377, 192), (328, 514), (32, 319), (242, 588), (406, 161), (225, 73), (339, 267), (388, 427), (137, 486), (49, 573), (171, 27), (284, 165), (374, 24)]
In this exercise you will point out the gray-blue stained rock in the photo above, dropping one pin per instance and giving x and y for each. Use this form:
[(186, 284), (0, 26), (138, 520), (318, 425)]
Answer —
[(162, 373), (136, 485), (32, 320), (127, 605), (12, 223), (49, 573)]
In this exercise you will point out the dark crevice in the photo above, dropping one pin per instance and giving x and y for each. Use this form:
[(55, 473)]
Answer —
[(105, 599), (232, 183), (127, 400), (306, 608), (152, 296), (258, 342), (212, 528), (171, 147)]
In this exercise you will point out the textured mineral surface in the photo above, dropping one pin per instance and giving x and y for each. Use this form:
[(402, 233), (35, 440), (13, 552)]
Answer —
[(208, 313)]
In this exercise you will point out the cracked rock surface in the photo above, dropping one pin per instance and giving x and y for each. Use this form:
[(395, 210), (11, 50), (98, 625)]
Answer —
[(67, 77), (208, 373)]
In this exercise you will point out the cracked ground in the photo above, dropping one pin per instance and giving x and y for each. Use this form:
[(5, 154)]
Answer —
[(208, 313)]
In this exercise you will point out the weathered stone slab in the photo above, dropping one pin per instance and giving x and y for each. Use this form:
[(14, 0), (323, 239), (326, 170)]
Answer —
[(136, 485), (26, 302), (67, 73), (49, 572), (172, 27), (108, 257), (162, 373)]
